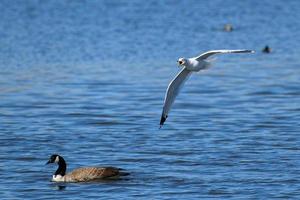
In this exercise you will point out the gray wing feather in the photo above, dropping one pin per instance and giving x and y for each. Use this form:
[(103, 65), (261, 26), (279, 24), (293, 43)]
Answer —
[(210, 53), (172, 91)]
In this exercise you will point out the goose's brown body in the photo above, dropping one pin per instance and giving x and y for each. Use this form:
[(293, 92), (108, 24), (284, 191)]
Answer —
[(91, 173)]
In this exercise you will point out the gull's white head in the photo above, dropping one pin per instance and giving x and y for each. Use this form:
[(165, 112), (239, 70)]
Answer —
[(182, 61)]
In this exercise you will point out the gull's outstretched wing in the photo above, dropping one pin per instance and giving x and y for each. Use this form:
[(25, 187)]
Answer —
[(210, 53), (172, 91)]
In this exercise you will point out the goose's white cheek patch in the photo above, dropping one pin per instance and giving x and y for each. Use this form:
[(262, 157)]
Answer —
[(56, 159)]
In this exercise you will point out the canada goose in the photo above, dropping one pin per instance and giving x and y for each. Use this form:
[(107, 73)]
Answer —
[(83, 174)]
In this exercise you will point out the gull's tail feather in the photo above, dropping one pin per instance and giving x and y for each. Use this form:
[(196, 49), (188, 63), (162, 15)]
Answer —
[(162, 120)]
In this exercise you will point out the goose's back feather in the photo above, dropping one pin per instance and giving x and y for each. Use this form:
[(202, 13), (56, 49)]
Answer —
[(91, 173)]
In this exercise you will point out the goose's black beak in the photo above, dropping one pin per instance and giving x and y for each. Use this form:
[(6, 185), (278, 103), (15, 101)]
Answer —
[(48, 162)]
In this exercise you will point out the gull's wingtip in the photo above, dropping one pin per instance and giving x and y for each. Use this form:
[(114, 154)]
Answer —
[(246, 51), (162, 121)]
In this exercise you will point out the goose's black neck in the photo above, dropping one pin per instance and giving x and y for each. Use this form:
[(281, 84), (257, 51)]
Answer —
[(62, 167)]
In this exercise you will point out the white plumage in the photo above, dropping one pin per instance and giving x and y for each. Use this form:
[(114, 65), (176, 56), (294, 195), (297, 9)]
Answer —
[(189, 65)]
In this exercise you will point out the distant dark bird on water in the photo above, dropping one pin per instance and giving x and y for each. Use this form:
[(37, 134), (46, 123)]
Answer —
[(266, 49), (189, 65), (84, 174), (228, 28)]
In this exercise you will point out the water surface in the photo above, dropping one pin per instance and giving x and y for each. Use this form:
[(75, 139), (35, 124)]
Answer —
[(87, 80)]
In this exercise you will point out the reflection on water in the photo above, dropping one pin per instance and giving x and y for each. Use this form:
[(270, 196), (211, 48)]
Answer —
[(60, 187)]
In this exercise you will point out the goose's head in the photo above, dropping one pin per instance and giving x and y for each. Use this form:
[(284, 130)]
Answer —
[(182, 61), (54, 159)]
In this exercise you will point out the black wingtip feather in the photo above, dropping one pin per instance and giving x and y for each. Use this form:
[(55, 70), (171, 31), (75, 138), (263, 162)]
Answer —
[(162, 121)]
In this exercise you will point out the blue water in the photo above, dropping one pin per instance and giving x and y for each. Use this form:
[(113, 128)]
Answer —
[(86, 79)]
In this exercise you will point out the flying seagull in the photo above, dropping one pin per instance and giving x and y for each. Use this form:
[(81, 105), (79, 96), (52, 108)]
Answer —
[(189, 65)]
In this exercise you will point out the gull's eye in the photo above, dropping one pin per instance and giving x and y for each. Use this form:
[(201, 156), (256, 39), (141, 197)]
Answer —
[(180, 62)]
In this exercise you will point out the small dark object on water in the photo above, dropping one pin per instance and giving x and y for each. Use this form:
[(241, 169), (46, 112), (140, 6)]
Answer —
[(267, 49), (228, 28)]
